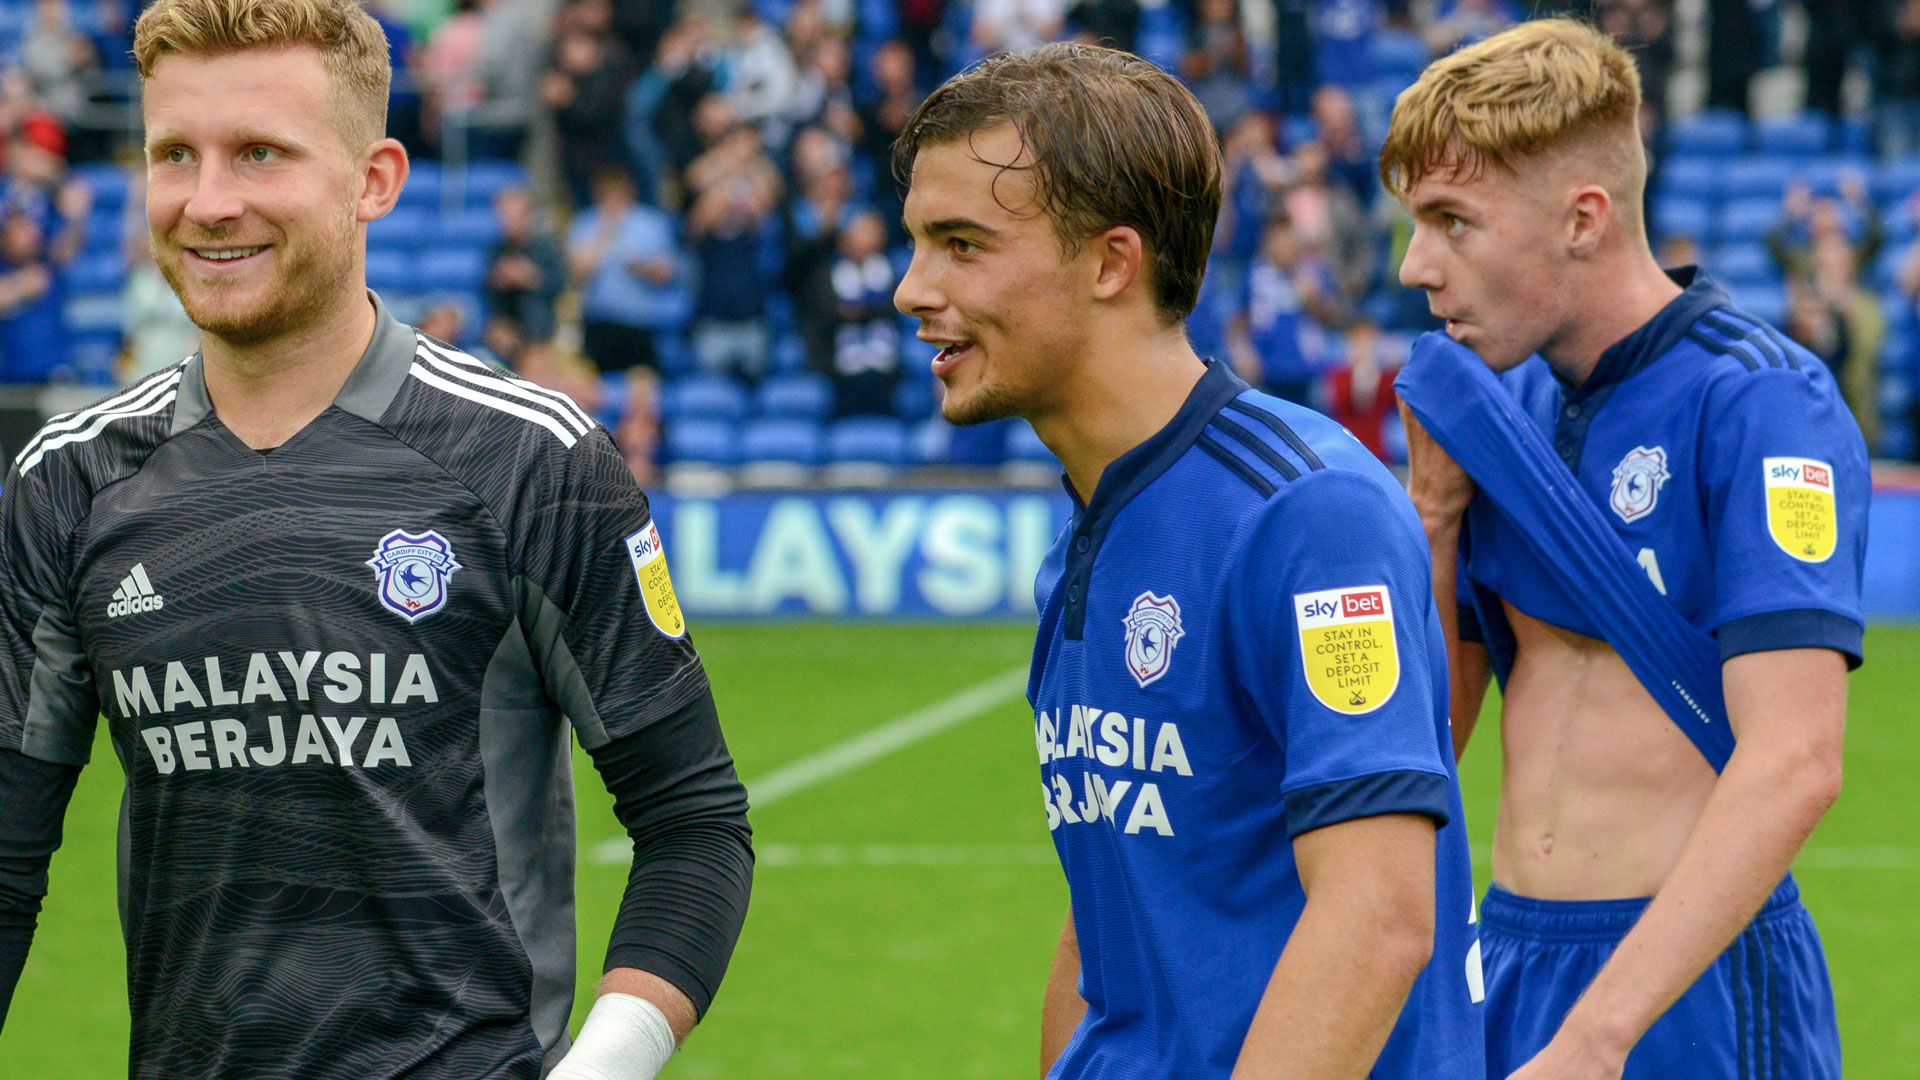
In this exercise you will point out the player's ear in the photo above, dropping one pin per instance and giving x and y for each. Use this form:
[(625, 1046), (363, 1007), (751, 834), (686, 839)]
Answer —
[(1121, 255), (383, 174), (1589, 217)]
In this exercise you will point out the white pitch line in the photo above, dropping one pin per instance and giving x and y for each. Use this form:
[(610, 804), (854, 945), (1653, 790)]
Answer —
[(904, 855), (866, 747)]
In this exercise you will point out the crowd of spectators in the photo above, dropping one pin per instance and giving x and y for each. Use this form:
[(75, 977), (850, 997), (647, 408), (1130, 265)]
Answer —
[(715, 198)]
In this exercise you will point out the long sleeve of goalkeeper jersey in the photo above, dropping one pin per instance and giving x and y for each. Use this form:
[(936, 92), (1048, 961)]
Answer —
[(675, 790), (33, 801)]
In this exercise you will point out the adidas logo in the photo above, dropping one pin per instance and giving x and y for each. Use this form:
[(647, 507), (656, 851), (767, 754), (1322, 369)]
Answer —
[(134, 595)]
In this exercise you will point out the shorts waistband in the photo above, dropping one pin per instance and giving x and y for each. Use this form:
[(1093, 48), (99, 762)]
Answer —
[(1592, 920)]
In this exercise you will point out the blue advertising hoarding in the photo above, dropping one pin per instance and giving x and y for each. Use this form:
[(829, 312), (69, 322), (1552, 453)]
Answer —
[(972, 553)]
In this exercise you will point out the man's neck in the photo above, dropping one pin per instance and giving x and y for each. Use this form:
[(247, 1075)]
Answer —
[(1632, 299), (266, 392), (1116, 403)]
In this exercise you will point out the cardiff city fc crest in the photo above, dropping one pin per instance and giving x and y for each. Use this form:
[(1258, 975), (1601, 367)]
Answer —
[(1153, 629), (1636, 482), (412, 572)]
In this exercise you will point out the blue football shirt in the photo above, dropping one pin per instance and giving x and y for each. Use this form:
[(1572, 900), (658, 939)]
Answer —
[(1238, 644), (1725, 458)]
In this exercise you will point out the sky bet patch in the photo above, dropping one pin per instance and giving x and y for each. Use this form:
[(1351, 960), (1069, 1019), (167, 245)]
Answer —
[(1347, 645), (649, 557), (1800, 512)]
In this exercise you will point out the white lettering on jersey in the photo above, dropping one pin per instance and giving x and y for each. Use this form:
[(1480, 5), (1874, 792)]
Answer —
[(134, 595), (202, 745), (1651, 564), (1115, 741), (133, 688)]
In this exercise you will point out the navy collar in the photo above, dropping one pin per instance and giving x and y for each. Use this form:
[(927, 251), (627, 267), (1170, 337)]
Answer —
[(1656, 337), (1128, 476)]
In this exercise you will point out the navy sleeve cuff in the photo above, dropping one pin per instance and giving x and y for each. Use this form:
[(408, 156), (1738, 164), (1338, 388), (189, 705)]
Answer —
[(1406, 791), (1802, 628), (1468, 621)]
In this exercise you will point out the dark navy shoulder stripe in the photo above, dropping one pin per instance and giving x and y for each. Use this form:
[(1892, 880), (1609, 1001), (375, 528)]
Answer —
[(1237, 466), (1745, 335), (1268, 454), (1720, 348), (1764, 332), (1280, 428)]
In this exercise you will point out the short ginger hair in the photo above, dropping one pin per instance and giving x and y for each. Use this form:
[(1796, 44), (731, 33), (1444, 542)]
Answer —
[(352, 48), (1542, 87)]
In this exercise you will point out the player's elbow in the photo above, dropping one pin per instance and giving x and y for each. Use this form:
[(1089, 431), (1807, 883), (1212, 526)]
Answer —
[(1406, 939)]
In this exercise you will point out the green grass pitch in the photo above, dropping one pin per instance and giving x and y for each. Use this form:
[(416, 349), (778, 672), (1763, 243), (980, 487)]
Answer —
[(904, 912)]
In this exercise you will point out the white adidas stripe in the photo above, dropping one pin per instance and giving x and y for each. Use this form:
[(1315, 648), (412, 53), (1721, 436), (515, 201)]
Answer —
[(426, 375), (130, 398), (139, 576), (464, 360), (502, 386), (99, 424)]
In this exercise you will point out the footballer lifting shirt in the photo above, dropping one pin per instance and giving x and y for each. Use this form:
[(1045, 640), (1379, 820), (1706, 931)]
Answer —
[(335, 676), (1238, 645), (1725, 459)]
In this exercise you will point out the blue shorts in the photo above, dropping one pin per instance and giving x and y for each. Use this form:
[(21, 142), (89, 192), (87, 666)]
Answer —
[(1763, 1011)]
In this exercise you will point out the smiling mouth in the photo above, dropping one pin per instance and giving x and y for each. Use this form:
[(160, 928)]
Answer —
[(950, 355), (227, 254)]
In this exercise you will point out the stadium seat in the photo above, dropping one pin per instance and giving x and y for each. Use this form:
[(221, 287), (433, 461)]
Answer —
[(1711, 133), (106, 231), (1747, 219), (1765, 302), (1675, 215), (475, 226), (794, 442), (1744, 265), (1024, 445), (424, 185), (107, 181), (457, 269), (710, 442), (798, 396), (403, 229), (704, 397), (914, 398), (389, 271), (1804, 134), (1886, 268), (97, 272), (878, 440), (1697, 178), (1399, 55), (1896, 179), (1823, 175), (1756, 177), (482, 180)]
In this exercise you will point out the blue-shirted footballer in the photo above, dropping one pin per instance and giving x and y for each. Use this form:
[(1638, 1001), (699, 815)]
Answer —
[(1239, 686), (1642, 922)]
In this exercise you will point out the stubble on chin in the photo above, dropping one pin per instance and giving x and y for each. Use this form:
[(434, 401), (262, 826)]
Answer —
[(986, 404), (304, 287)]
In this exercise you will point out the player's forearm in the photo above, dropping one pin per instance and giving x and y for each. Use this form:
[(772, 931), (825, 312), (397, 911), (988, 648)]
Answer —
[(1340, 985), (1762, 810), (1467, 674), (1063, 1009), (33, 801), (668, 998)]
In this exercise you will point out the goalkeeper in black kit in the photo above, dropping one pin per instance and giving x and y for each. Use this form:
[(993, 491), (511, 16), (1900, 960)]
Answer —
[(334, 586)]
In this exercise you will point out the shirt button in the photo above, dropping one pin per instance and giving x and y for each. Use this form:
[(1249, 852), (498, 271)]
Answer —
[(1081, 545), (1573, 411), (1073, 594)]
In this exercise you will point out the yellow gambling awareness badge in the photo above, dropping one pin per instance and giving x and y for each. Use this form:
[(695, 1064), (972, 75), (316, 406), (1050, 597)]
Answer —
[(649, 557), (1347, 645), (1800, 507)]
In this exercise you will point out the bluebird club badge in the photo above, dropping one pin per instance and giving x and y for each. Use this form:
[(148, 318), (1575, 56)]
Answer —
[(1153, 629), (412, 572), (1637, 481)]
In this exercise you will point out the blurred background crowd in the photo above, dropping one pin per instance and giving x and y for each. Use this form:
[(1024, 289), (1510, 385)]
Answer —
[(681, 212)]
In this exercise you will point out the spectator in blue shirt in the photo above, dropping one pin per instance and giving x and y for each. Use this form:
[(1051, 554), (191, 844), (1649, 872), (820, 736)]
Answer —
[(735, 192), (33, 332), (1279, 337), (629, 263)]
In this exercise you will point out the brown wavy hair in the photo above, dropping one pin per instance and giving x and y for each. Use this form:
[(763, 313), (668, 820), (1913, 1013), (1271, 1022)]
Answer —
[(352, 47), (1112, 140)]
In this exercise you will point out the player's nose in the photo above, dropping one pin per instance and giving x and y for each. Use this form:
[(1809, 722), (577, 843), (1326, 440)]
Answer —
[(1418, 268), (915, 295), (216, 198)]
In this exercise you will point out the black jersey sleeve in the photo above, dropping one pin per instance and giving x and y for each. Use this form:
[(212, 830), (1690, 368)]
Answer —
[(48, 702), (675, 791), (33, 801), (597, 605)]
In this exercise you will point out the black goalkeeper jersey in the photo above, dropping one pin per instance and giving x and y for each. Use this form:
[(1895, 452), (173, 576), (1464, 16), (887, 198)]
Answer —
[(338, 676)]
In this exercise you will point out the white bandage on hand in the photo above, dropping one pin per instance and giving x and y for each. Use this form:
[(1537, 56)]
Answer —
[(624, 1038)]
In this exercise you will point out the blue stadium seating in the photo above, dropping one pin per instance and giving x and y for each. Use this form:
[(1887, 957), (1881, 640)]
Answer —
[(1886, 268), (1744, 265), (711, 442), (880, 440), (1675, 215), (704, 397), (1767, 302), (97, 272), (798, 396), (1896, 179), (792, 441), (1800, 135), (108, 181), (1694, 177), (482, 180), (914, 398), (457, 269), (1756, 177), (475, 226), (106, 231), (1747, 219), (1399, 56), (1024, 445), (403, 229), (389, 271), (1711, 133), (423, 187), (1824, 175)]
